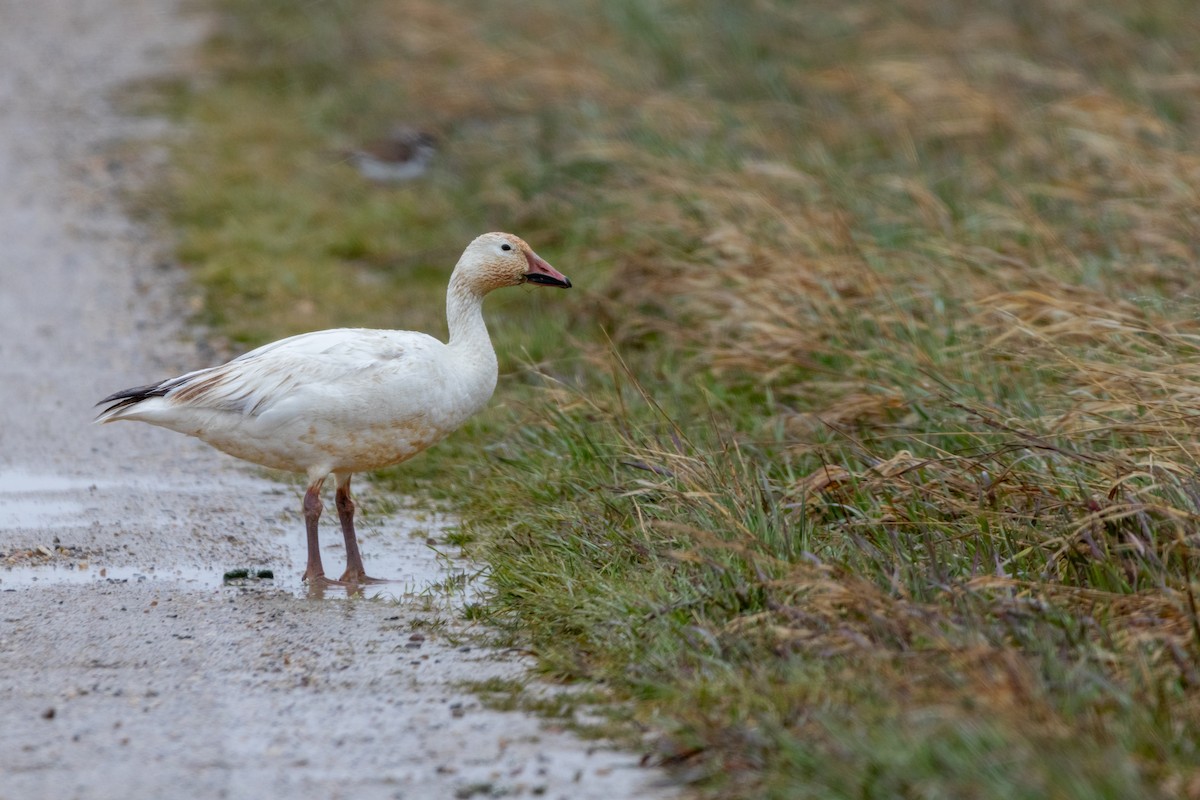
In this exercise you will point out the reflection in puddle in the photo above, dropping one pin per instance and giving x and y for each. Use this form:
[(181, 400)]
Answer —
[(20, 577), (419, 570), (412, 567), (395, 546)]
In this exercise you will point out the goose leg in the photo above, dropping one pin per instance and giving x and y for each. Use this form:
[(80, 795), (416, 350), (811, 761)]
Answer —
[(314, 573), (355, 573)]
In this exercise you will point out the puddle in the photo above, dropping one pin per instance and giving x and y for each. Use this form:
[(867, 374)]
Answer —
[(390, 550), (394, 545), (16, 577), (422, 574), (28, 500), (25, 512), (443, 585), (25, 483), (412, 568)]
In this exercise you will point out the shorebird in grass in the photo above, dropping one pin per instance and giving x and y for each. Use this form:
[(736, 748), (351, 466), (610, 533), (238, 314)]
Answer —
[(347, 400), (405, 154)]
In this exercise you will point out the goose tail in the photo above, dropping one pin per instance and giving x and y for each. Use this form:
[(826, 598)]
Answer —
[(124, 404)]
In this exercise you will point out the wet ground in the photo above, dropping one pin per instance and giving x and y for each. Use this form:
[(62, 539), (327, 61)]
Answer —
[(155, 639)]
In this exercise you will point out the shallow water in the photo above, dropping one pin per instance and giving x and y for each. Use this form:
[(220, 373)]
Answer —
[(12, 578), (28, 500), (393, 547), (19, 482)]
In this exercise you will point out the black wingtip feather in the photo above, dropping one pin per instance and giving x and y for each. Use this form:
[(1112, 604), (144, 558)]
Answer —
[(136, 395), (131, 397)]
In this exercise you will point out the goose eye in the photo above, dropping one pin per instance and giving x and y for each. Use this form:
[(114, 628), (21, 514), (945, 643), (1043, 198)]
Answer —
[(506, 247)]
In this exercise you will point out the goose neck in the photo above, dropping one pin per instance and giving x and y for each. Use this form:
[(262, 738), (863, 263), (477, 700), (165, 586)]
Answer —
[(464, 317)]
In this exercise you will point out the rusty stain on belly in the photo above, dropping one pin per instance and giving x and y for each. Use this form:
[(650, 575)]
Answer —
[(374, 448)]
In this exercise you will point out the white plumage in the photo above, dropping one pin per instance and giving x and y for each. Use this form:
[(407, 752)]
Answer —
[(347, 400)]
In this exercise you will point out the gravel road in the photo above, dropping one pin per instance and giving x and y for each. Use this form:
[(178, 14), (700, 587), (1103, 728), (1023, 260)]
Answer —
[(128, 668)]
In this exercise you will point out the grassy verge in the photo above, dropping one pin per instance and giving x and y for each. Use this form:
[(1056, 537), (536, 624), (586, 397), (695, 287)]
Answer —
[(863, 459)]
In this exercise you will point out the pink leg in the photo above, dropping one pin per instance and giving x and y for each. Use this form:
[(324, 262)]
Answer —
[(314, 573), (355, 573)]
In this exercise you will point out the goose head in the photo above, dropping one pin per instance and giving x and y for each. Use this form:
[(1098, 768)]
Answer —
[(495, 260)]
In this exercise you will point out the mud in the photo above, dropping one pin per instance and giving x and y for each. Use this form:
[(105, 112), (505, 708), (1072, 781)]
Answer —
[(130, 667)]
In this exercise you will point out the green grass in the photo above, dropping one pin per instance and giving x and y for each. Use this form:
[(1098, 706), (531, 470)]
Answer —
[(861, 461)]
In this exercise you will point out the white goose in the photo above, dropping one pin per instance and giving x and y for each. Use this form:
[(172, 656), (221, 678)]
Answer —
[(347, 400)]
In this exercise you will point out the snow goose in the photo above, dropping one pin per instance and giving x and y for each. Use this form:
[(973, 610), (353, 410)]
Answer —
[(347, 400)]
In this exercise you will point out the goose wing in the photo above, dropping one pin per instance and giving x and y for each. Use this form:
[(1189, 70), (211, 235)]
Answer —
[(339, 361)]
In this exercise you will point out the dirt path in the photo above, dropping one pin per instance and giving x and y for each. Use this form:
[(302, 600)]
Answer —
[(127, 668)]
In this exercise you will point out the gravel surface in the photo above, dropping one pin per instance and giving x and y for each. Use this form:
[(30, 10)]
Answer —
[(128, 668)]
